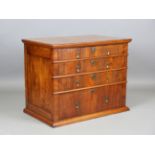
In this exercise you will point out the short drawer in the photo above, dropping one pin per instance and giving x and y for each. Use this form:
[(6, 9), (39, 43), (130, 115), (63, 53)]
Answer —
[(90, 65), (88, 80), (89, 52), (89, 101)]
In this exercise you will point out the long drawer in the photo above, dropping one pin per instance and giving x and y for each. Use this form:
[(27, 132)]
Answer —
[(89, 65), (89, 52), (90, 101), (89, 80)]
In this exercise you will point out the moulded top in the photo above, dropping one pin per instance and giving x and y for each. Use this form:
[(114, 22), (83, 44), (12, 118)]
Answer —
[(76, 41)]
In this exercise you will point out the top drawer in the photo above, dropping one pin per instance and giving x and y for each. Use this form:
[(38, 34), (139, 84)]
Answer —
[(88, 52)]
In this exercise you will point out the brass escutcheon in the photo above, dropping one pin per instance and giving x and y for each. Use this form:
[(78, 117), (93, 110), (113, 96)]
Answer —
[(78, 67)]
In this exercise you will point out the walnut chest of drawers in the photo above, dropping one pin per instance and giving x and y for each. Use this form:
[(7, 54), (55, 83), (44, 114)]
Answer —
[(71, 79)]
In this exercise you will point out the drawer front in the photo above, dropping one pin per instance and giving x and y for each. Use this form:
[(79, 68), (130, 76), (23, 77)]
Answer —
[(89, 80), (90, 65), (89, 101), (88, 52)]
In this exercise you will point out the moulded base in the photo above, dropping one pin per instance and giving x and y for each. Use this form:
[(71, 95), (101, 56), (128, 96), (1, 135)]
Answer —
[(76, 119)]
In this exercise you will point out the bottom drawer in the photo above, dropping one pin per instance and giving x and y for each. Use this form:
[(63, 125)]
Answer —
[(90, 101)]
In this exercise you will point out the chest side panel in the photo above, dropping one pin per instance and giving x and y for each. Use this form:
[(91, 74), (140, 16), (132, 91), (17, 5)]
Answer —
[(38, 78)]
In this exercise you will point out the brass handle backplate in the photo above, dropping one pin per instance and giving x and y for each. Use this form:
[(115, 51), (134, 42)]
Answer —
[(93, 49), (78, 55), (107, 76), (78, 67), (93, 62), (77, 83), (93, 76), (77, 70), (107, 52), (106, 99), (77, 105), (107, 66)]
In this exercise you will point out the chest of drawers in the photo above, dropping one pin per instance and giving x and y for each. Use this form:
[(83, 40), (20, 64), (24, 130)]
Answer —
[(71, 79)]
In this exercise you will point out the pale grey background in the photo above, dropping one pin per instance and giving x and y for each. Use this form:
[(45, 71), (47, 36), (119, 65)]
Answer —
[(141, 75)]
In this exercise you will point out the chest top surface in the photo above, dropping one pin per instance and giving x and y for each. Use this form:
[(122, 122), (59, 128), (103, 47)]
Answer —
[(75, 41)]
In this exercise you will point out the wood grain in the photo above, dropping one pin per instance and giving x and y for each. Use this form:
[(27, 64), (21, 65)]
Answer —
[(89, 65), (71, 79), (90, 101), (88, 80), (76, 41), (69, 54)]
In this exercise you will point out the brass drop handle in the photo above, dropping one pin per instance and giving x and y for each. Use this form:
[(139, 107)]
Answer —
[(78, 55), (77, 105), (77, 70), (93, 76), (107, 79), (107, 52), (106, 99), (107, 76), (107, 66), (77, 83), (78, 67), (93, 62), (93, 49)]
